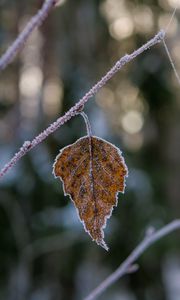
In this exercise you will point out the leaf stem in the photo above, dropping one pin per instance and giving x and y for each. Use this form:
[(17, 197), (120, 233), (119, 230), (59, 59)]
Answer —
[(87, 122)]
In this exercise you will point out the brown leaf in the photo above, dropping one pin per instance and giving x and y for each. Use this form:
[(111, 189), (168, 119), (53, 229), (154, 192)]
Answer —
[(93, 172)]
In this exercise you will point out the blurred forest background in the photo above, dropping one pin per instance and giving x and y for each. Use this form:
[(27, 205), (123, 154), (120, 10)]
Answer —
[(44, 251)]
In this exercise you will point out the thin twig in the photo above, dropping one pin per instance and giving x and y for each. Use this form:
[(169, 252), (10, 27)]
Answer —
[(165, 45), (27, 146), (172, 16), (135, 254), (35, 22), (171, 61)]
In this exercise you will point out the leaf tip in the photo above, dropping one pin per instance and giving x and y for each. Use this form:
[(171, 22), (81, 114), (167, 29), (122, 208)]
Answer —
[(103, 245)]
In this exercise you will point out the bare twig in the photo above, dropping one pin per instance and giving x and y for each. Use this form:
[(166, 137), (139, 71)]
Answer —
[(35, 22), (27, 146), (172, 16), (124, 268), (171, 61)]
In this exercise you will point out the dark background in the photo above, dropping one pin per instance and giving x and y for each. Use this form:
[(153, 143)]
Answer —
[(44, 251)]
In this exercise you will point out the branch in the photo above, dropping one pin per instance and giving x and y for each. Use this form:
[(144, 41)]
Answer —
[(35, 22), (128, 265), (27, 146)]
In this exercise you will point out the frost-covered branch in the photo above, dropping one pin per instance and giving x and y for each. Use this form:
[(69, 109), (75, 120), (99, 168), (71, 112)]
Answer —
[(35, 22), (128, 265), (27, 146)]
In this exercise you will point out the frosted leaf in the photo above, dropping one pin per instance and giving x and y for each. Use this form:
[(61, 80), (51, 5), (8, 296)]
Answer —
[(93, 171)]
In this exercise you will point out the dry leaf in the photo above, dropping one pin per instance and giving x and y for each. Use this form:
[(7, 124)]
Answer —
[(93, 172)]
